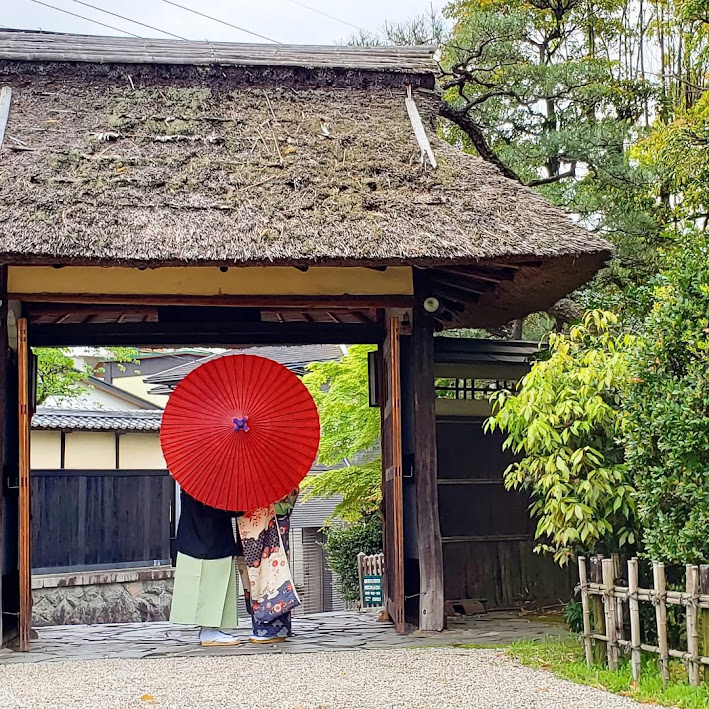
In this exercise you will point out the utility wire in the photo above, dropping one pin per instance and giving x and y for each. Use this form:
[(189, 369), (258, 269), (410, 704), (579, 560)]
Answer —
[(223, 22), (325, 14), (88, 19), (127, 19)]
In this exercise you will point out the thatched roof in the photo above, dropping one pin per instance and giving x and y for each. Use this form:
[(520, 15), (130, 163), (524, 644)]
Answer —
[(262, 164), (52, 47)]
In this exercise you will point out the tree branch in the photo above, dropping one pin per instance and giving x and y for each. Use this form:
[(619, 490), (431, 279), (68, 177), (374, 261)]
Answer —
[(571, 172), (472, 130)]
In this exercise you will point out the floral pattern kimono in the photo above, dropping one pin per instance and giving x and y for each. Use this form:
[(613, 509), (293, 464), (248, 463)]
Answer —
[(265, 571)]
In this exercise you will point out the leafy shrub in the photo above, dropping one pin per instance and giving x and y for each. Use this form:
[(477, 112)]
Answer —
[(344, 542), (667, 437), (565, 421), (573, 615)]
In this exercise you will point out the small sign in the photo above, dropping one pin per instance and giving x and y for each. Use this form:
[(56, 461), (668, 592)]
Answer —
[(373, 594)]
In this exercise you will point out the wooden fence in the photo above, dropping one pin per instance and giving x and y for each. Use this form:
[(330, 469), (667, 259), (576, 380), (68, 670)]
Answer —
[(611, 606), (97, 519), (371, 580)]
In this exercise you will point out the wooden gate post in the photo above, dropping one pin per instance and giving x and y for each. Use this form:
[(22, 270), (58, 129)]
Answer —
[(392, 483), (3, 421), (430, 546), (24, 413)]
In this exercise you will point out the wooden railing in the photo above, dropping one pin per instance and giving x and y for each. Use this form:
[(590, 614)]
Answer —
[(610, 607)]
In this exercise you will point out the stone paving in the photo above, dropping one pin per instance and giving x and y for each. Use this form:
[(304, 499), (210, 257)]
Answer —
[(347, 630)]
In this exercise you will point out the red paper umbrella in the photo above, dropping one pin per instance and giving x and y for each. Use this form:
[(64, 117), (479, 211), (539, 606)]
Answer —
[(240, 432)]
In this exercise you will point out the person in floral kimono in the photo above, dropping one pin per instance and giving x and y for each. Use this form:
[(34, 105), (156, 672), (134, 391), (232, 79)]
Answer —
[(262, 558)]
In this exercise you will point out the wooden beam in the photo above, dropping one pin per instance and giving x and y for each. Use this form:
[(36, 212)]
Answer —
[(482, 274), (327, 302), (430, 548), (466, 283), (516, 265), (215, 334), (419, 130), (5, 100)]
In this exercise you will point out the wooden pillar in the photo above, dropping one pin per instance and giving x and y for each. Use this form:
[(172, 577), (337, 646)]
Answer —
[(431, 604), (3, 427), (24, 414), (392, 497)]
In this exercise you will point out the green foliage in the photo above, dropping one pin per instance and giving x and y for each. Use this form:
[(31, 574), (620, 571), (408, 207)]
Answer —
[(565, 421), (539, 82), (573, 615), (344, 542), (677, 153), (667, 437), (56, 374), (565, 658), (59, 373), (350, 434)]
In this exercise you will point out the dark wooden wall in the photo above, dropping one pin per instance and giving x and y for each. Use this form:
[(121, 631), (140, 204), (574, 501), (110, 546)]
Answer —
[(9, 576), (487, 532), (100, 518)]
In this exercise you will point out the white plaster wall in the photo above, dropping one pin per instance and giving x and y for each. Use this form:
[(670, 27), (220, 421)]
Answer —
[(45, 450), (90, 450), (140, 451)]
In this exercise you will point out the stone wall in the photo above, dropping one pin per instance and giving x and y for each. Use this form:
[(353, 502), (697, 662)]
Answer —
[(127, 596)]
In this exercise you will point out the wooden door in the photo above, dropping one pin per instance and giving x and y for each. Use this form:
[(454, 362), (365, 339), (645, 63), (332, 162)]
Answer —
[(392, 483), (24, 414)]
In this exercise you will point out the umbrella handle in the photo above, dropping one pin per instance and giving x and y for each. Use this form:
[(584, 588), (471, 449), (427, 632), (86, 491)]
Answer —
[(240, 424)]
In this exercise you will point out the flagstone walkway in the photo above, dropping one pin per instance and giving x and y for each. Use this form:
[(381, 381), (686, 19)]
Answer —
[(347, 630)]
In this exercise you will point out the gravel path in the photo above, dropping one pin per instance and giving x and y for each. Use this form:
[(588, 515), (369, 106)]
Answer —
[(432, 677)]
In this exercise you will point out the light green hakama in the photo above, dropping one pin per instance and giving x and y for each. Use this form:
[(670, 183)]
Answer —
[(204, 593)]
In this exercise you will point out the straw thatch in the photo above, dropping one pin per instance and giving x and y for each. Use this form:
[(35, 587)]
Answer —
[(232, 165)]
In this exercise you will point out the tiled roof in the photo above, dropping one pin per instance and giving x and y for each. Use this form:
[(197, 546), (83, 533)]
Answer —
[(295, 357), (315, 512), (49, 418)]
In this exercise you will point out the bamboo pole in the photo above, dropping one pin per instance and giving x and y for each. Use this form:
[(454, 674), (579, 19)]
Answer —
[(587, 641), (634, 612), (692, 585), (610, 613), (599, 647), (658, 578), (704, 617), (618, 599)]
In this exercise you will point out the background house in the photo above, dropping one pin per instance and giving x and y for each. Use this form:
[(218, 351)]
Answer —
[(107, 508)]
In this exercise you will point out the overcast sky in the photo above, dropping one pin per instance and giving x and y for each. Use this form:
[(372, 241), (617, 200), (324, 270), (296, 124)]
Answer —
[(286, 21)]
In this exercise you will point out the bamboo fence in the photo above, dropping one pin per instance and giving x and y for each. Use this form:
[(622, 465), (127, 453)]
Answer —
[(610, 608)]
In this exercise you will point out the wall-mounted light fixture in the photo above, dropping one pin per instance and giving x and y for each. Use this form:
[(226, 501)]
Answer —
[(431, 304)]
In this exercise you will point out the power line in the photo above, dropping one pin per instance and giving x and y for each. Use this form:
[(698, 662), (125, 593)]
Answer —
[(127, 19), (223, 22), (88, 19), (325, 14)]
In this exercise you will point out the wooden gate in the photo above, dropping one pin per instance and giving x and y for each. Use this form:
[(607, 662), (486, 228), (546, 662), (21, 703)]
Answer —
[(392, 483)]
